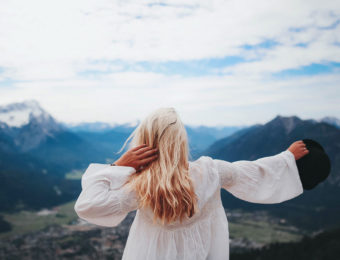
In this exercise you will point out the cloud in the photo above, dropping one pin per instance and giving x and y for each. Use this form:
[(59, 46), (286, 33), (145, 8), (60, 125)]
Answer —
[(230, 99), (321, 48), (140, 31), (117, 60)]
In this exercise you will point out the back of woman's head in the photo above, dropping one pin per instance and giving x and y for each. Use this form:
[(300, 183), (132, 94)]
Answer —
[(164, 185)]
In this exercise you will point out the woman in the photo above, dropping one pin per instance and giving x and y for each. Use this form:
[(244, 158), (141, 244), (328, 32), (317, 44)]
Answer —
[(179, 209)]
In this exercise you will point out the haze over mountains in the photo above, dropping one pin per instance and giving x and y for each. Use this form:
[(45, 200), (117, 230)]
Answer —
[(37, 153), (314, 209), (275, 136), (47, 150), (27, 128)]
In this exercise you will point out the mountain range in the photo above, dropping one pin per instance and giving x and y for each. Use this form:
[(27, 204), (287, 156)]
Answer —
[(37, 151), (313, 209)]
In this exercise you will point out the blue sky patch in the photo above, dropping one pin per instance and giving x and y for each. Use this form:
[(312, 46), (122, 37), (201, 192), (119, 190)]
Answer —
[(190, 68), (267, 44), (312, 69)]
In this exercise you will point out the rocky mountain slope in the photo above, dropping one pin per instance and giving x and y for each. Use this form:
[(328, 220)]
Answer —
[(313, 209), (37, 151)]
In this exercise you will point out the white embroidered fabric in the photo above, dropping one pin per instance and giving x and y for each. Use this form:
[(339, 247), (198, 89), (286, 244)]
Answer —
[(103, 201)]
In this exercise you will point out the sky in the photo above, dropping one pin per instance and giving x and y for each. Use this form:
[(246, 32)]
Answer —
[(216, 62)]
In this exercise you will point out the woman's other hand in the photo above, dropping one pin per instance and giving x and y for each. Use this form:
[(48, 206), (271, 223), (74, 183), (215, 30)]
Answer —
[(299, 149), (138, 157)]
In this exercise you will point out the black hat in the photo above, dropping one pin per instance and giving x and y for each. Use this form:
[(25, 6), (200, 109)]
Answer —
[(315, 166)]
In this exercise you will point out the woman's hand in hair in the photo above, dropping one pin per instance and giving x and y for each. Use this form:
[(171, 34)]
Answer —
[(138, 157)]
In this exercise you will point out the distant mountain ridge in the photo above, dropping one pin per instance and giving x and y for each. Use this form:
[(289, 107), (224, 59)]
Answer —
[(275, 136), (31, 129), (331, 120), (313, 209), (21, 113), (98, 127), (27, 124), (27, 127), (36, 151), (200, 137)]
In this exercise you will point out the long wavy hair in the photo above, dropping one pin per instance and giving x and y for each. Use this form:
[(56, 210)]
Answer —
[(164, 185)]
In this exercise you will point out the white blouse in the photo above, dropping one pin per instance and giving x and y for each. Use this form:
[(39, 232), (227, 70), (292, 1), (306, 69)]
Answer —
[(104, 202)]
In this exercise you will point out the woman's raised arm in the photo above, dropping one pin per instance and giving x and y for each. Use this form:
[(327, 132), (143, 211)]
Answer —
[(267, 180), (103, 201)]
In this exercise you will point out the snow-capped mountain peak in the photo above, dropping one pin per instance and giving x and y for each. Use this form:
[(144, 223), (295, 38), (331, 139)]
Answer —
[(28, 124), (20, 114)]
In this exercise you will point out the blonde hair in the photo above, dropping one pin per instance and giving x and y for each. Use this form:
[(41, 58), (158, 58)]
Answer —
[(164, 185)]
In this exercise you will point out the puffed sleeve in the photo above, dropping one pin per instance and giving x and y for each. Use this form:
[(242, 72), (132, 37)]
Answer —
[(103, 200), (267, 180)]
